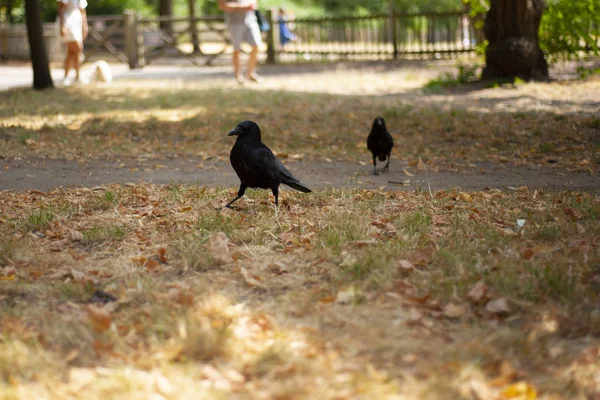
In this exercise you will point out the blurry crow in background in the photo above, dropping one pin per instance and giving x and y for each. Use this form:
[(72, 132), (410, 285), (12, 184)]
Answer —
[(380, 143), (255, 164)]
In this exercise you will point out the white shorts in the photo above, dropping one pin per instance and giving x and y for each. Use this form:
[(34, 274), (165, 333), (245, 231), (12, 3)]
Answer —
[(72, 35), (244, 33)]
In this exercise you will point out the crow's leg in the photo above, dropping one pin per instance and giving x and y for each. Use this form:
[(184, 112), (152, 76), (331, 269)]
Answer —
[(374, 165), (239, 195), (275, 191), (387, 166)]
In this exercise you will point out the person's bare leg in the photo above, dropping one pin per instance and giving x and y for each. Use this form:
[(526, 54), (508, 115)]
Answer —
[(77, 47), (252, 65), (68, 61), (236, 65)]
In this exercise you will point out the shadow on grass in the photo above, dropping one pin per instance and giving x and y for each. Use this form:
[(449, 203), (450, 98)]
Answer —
[(190, 121)]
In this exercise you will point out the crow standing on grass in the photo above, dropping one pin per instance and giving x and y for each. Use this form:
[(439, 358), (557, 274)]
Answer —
[(380, 143), (255, 164)]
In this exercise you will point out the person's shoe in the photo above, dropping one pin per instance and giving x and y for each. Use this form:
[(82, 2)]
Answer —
[(67, 82), (256, 78)]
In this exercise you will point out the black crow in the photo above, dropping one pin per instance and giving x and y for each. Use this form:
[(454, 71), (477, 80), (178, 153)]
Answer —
[(380, 143), (255, 164)]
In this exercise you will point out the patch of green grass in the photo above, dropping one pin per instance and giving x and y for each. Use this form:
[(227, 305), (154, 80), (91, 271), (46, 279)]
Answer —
[(548, 233), (6, 251), (215, 221), (25, 137), (192, 253), (101, 233), (465, 74), (594, 123), (339, 229), (103, 201), (415, 223), (39, 220), (546, 147)]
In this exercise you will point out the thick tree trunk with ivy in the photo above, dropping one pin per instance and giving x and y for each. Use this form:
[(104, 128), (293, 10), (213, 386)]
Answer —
[(37, 47), (511, 28)]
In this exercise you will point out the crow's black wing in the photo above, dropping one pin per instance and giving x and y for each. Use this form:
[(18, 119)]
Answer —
[(389, 138), (272, 168)]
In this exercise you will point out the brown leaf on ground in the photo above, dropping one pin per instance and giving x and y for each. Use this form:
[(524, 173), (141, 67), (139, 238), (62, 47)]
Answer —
[(239, 255), (99, 317), (75, 235), (58, 245), (406, 265), (151, 265), (218, 246), (180, 296), (573, 214), (252, 280), (499, 306), (454, 311), (519, 391), (478, 292), (162, 255), (346, 296)]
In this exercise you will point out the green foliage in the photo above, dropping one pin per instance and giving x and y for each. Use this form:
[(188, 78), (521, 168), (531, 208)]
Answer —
[(568, 27), (95, 7), (569, 30), (585, 73), (465, 74)]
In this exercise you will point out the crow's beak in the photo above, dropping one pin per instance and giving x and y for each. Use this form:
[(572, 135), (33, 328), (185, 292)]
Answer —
[(234, 132)]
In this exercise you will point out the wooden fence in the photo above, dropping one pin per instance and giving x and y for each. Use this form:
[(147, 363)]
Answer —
[(138, 41), (392, 35)]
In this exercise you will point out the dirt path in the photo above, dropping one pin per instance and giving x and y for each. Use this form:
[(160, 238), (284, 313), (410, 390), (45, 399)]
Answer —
[(46, 175)]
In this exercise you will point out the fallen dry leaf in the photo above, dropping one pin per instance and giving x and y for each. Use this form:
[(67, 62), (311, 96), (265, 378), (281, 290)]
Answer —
[(478, 292), (406, 265), (252, 280), (498, 306), (162, 255), (346, 296), (99, 317), (454, 311), (77, 275), (75, 235), (218, 246), (519, 391)]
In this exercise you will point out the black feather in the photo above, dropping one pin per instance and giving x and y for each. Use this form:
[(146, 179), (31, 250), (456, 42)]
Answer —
[(380, 143), (256, 165)]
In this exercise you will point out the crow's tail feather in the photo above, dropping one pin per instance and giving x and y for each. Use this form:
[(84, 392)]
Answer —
[(298, 186)]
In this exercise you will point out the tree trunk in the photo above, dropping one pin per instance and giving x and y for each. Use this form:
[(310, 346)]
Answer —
[(166, 10), (193, 27), (9, 11), (511, 28), (37, 46)]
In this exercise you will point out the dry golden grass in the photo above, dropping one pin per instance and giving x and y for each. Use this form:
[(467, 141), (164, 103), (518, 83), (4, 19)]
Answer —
[(341, 294)]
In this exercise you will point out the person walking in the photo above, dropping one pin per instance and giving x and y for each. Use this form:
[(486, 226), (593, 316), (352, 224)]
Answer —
[(73, 30), (240, 17)]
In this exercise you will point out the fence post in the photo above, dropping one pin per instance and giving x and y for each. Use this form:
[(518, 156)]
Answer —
[(3, 42), (271, 53), (132, 40), (393, 28)]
